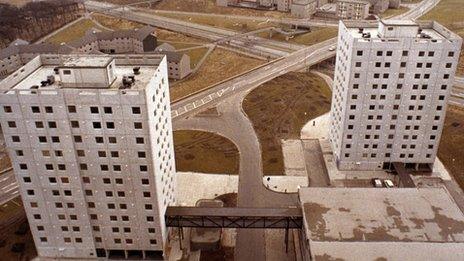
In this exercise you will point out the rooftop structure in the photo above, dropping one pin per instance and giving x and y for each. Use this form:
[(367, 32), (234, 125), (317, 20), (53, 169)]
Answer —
[(391, 88), (382, 223), (90, 140)]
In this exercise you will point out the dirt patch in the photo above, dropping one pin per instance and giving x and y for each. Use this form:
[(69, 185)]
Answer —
[(280, 108), (452, 139), (220, 65), (205, 152)]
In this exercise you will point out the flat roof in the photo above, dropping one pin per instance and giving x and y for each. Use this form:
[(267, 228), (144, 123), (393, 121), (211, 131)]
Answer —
[(430, 28), (96, 61), (398, 22), (381, 215), (141, 80)]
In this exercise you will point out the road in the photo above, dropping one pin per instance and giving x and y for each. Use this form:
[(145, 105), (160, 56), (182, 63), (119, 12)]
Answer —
[(283, 20), (9, 189), (253, 44), (295, 61)]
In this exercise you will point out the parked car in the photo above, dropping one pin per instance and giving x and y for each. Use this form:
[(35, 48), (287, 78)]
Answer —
[(377, 183), (388, 183)]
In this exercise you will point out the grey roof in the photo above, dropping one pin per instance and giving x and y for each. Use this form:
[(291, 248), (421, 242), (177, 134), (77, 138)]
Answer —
[(172, 56), (93, 35), (19, 42), (165, 47), (41, 48)]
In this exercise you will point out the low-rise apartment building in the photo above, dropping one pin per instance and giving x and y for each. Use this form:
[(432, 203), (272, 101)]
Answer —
[(134, 41), (352, 9)]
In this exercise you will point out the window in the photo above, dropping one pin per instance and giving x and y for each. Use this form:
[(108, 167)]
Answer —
[(143, 168), (72, 109), (135, 110), (389, 53), (15, 139), (83, 166), (115, 154), (55, 139), (403, 64), (39, 125), (42, 139), (421, 53), (139, 140), (141, 154), (94, 110), (12, 124), (35, 109), (67, 72), (110, 125), (358, 64), (96, 125), (431, 54), (108, 110), (80, 153), (359, 53), (23, 166), (137, 125), (112, 140), (74, 124), (48, 109), (7, 109), (379, 53), (450, 54), (52, 124), (99, 139), (116, 167), (102, 154)]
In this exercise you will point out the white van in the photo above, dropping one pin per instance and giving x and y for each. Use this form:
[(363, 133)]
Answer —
[(388, 183)]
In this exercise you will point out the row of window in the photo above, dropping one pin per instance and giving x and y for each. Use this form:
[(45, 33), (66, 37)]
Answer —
[(404, 53)]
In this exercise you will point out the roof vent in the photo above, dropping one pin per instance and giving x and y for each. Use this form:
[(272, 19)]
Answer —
[(56, 70), (128, 81), (50, 79), (136, 70), (34, 87), (360, 30), (43, 83)]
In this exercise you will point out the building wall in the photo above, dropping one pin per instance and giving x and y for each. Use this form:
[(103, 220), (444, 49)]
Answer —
[(389, 100), (354, 10), (95, 168), (304, 10)]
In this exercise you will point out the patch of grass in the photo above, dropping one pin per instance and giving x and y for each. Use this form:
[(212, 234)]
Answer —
[(205, 152), (17, 3), (280, 108), (116, 23), (209, 6), (451, 144), (393, 12), (243, 25), (73, 32), (316, 35), (220, 65), (196, 55), (450, 13)]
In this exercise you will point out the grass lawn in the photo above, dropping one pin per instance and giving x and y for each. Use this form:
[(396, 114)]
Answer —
[(451, 144), (116, 23), (220, 65), (73, 32), (280, 108), (450, 13), (317, 35), (205, 152), (234, 24), (393, 12)]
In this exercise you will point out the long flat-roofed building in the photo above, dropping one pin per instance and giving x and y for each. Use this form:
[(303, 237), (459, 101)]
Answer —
[(355, 224), (391, 88), (90, 140)]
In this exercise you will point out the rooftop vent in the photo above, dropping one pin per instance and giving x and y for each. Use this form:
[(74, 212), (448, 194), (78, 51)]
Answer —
[(50, 79), (360, 30), (34, 87), (43, 83), (425, 36), (136, 70), (56, 70), (366, 35), (128, 81)]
